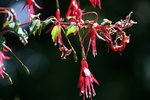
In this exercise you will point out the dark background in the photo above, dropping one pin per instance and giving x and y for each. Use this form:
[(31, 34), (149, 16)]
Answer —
[(124, 76)]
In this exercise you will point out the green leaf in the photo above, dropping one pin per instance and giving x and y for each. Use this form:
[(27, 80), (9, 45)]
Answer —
[(14, 26), (46, 22), (106, 21), (26, 69), (71, 25), (2, 41), (8, 78), (34, 26), (71, 30), (55, 31), (40, 29), (75, 56), (6, 24), (23, 35)]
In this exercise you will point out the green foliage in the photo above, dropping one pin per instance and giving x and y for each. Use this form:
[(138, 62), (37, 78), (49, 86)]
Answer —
[(46, 22), (26, 69), (34, 26), (14, 26), (6, 24), (55, 31), (21, 33), (71, 30), (8, 78), (2, 41)]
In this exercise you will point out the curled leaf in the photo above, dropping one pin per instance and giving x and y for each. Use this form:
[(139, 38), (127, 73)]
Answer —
[(35, 26), (21, 33), (46, 22)]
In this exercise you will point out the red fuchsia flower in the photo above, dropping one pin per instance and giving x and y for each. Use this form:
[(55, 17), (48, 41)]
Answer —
[(96, 3), (2, 57), (74, 10), (30, 4), (58, 20), (86, 80), (58, 40), (59, 37), (93, 40), (93, 35), (65, 51)]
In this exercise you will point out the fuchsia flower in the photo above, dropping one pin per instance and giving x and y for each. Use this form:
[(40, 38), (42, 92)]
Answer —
[(72, 9), (58, 23), (30, 4), (2, 56), (96, 3), (86, 80), (58, 39), (75, 11), (93, 40), (93, 35)]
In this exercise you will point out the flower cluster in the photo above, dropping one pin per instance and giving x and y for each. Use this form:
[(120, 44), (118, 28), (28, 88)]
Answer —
[(72, 25)]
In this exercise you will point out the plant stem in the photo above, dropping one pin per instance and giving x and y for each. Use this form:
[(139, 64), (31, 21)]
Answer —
[(57, 4)]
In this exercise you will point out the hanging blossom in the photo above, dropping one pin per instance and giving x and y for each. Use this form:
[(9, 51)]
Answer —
[(30, 4), (2, 57), (86, 80), (58, 24), (56, 29), (74, 12), (93, 41), (93, 35), (72, 9)]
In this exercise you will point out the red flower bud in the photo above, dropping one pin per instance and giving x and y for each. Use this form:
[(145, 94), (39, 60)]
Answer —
[(58, 14)]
